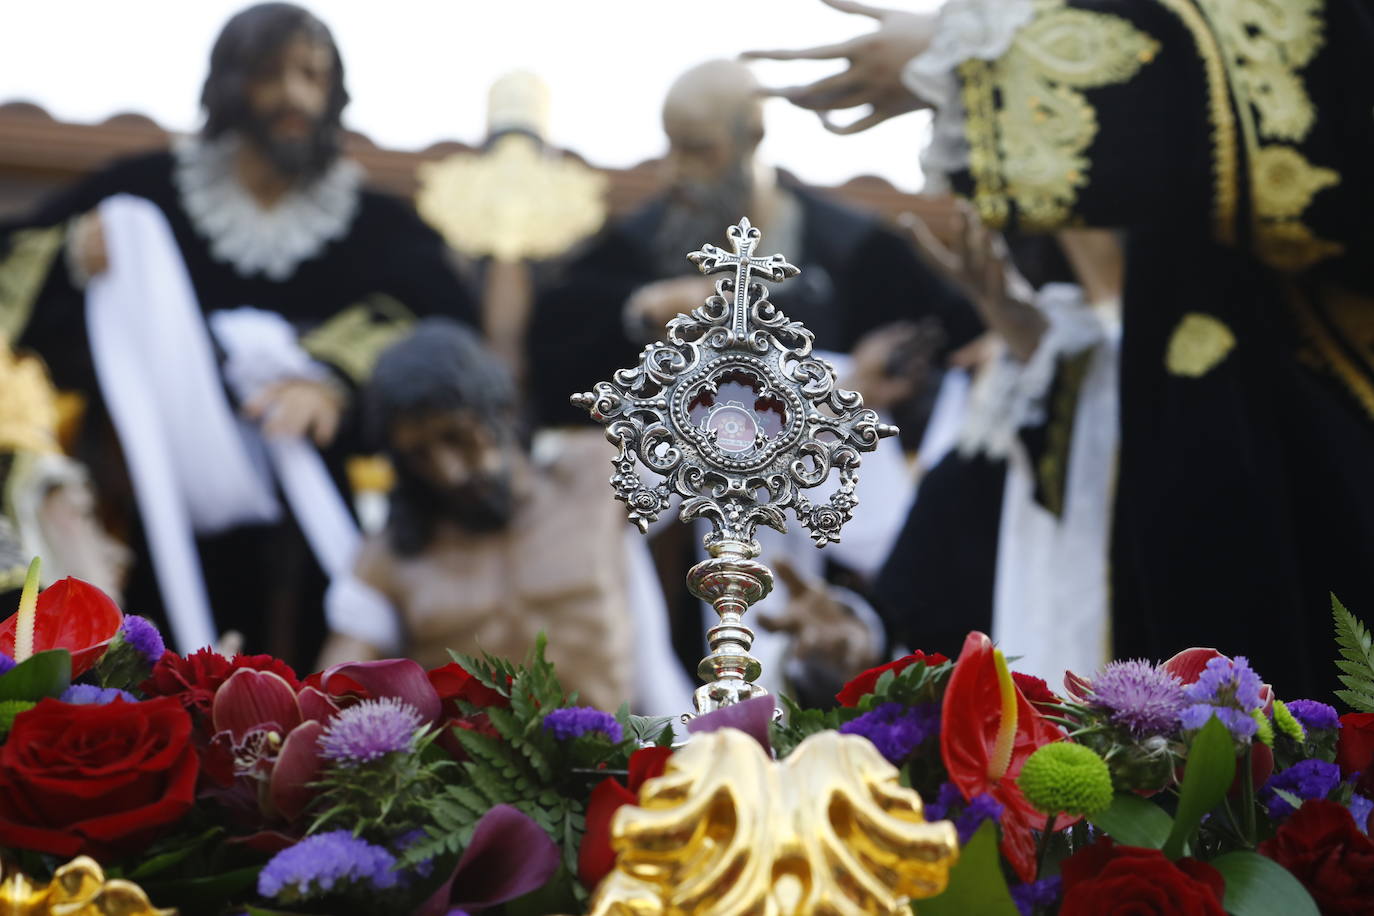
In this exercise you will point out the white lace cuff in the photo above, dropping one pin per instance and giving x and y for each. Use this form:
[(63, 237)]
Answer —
[(966, 29)]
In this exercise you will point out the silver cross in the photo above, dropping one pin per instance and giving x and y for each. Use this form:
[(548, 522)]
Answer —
[(744, 237)]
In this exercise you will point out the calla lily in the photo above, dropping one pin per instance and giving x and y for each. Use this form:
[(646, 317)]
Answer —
[(316, 706), (72, 615), (988, 729), (752, 717), (255, 700), (299, 763), (392, 677), (508, 856)]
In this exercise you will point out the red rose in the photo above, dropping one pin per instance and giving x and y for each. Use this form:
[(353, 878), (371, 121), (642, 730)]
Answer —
[(1105, 878), (453, 682), (1355, 749), (1325, 850), (595, 857), (863, 685), (194, 679), (100, 780), (71, 615)]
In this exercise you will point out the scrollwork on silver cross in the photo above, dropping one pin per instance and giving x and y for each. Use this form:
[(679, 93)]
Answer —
[(736, 463)]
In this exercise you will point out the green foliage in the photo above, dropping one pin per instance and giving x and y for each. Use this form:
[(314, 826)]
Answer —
[(1257, 886), (800, 724), (43, 674), (1206, 778), (1357, 659), (378, 798), (976, 882), (1134, 821)]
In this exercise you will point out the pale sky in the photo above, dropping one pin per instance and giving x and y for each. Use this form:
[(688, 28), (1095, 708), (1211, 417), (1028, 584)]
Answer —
[(418, 70)]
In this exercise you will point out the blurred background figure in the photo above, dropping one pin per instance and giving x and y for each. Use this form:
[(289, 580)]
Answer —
[(488, 545), (250, 257)]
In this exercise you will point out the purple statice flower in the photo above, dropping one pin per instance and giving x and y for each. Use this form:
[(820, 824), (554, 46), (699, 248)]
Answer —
[(896, 729), (1360, 809), (948, 796), (370, 730), (91, 695), (1041, 894), (1304, 779), (980, 808), (1229, 689), (1141, 697), (317, 864), (140, 633), (6, 663), (576, 721), (1313, 714)]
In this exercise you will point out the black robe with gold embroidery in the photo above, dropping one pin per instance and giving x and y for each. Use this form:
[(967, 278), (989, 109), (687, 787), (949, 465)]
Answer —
[(1234, 141), (347, 303)]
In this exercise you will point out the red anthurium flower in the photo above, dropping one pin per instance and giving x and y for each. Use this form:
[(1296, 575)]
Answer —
[(595, 857), (861, 686), (71, 615), (987, 731)]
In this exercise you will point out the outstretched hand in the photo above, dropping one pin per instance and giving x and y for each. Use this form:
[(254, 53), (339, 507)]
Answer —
[(824, 631), (874, 76)]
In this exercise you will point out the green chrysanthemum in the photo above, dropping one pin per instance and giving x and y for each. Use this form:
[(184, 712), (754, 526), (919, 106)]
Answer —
[(1063, 778), (1287, 723), (1264, 732), (8, 710)]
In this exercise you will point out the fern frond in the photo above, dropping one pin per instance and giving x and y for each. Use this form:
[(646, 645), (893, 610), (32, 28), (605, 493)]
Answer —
[(1357, 651)]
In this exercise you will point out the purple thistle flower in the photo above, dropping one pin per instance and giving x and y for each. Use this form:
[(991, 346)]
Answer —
[(1230, 690), (896, 729), (1313, 714), (1038, 894), (370, 730), (949, 796), (91, 695), (980, 808), (6, 663), (1305, 779), (1144, 698), (316, 864), (140, 633), (576, 721)]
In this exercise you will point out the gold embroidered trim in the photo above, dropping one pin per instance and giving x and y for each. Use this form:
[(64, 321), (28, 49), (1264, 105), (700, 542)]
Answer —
[(1324, 351), (1045, 123), (1052, 470), (352, 340), (22, 274), (1225, 152), (980, 128), (1265, 44), (1199, 343)]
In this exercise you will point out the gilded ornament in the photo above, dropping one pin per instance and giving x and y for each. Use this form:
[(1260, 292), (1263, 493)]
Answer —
[(1045, 124), (512, 202), (1198, 344), (1289, 181), (352, 340), (726, 830), (78, 888), (28, 410)]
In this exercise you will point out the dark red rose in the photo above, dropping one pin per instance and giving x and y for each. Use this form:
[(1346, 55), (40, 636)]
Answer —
[(595, 857), (1037, 691), (1355, 749), (1325, 850), (863, 685), (72, 615), (194, 679), (1105, 878), (99, 780)]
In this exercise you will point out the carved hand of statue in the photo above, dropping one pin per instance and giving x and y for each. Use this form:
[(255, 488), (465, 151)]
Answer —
[(874, 76), (298, 407), (652, 306), (87, 241), (825, 632), (891, 362)]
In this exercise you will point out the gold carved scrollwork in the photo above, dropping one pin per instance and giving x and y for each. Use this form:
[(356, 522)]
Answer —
[(352, 340), (1044, 124), (1265, 43), (78, 888), (726, 830)]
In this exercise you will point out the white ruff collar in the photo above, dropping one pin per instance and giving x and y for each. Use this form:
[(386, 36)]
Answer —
[(256, 241)]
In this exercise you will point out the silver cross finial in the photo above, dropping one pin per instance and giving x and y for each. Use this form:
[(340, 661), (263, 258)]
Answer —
[(744, 238)]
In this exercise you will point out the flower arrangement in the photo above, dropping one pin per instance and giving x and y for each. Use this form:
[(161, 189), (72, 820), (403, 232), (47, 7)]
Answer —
[(235, 786)]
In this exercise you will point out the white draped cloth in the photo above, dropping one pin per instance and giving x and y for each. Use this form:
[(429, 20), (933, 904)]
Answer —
[(196, 467)]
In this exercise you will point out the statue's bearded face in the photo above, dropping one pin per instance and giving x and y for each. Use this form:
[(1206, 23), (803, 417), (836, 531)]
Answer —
[(465, 462), (288, 101)]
